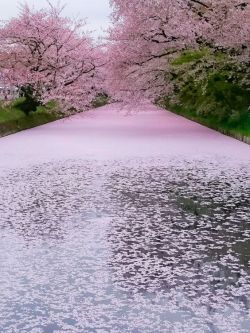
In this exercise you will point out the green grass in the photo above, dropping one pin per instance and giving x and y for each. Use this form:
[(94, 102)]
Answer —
[(13, 120), (240, 130)]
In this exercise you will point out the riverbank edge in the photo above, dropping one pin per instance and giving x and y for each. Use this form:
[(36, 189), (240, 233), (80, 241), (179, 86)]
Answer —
[(26, 122), (231, 133), (35, 120), (40, 117)]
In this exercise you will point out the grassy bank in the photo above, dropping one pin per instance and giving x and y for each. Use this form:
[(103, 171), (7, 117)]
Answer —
[(211, 88), (240, 131), (13, 120)]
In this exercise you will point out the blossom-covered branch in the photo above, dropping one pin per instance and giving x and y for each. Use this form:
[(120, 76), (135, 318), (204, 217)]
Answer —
[(51, 54)]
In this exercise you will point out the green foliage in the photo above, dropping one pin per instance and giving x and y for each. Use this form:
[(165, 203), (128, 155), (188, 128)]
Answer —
[(30, 102), (100, 100), (211, 88), (189, 56)]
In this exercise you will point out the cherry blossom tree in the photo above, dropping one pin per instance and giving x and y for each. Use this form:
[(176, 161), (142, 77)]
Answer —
[(52, 55), (148, 34)]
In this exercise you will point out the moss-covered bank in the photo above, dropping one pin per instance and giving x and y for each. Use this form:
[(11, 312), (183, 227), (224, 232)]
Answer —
[(13, 119)]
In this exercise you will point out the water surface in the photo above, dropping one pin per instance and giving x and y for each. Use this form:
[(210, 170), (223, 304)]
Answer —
[(115, 223)]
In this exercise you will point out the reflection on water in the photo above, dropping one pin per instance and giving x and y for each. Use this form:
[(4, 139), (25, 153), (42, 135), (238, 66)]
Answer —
[(145, 246)]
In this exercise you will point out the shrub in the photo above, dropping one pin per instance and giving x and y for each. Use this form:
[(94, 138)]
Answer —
[(30, 102), (211, 85)]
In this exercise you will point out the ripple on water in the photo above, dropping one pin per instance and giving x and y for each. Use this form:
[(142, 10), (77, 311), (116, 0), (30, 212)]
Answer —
[(146, 246)]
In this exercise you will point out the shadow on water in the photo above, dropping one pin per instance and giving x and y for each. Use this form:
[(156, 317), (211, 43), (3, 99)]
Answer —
[(146, 246)]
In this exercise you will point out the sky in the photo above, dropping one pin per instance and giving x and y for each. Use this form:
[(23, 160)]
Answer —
[(96, 11)]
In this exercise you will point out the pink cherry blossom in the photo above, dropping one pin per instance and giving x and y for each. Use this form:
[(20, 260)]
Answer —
[(147, 35), (53, 54)]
